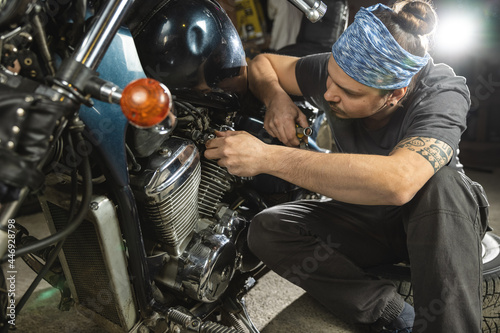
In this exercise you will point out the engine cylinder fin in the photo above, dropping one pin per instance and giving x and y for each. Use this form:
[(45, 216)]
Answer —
[(211, 198), (215, 186), (215, 182), (175, 217)]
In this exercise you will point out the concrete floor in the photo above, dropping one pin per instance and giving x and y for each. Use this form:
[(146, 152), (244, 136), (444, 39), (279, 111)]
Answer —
[(275, 305)]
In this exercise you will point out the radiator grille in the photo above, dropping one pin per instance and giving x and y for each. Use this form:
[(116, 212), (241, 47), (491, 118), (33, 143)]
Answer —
[(82, 252), (175, 217)]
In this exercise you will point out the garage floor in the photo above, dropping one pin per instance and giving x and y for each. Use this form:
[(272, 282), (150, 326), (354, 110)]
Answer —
[(275, 305)]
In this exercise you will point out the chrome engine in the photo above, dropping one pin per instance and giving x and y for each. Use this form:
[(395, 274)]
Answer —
[(168, 189), (180, 195)]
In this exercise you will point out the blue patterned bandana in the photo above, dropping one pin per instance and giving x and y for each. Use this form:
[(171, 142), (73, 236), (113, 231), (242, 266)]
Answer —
[(368, 53)]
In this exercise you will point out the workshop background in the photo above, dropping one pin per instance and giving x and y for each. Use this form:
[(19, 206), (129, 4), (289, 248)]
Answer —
[(467, 39)]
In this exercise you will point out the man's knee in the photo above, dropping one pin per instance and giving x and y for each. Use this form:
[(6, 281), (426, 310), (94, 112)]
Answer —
[(449, 198), (275, 232), (445, 193), (445, 179), (260, 232), (445, 190)]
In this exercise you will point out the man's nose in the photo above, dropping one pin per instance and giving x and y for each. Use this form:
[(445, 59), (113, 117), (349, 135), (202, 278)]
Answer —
[(331, 94)]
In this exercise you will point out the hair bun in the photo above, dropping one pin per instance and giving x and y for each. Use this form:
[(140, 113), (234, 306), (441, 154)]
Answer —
[(417, 17)]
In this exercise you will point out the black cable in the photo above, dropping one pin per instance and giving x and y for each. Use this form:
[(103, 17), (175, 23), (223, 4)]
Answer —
[(186, 108), (39, 277), (61, 236), (136, 166), (86, 197), (74, 180), (82, 211)]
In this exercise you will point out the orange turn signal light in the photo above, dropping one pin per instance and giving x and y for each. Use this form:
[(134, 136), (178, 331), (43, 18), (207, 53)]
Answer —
[(146, 102)]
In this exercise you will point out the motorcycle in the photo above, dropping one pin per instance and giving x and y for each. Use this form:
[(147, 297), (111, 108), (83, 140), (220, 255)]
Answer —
[(146, 233)]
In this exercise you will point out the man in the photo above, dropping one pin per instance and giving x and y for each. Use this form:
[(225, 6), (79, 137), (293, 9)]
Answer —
[(397, 193)]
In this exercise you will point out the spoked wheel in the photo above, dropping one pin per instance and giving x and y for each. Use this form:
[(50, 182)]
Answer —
[(400, 275)]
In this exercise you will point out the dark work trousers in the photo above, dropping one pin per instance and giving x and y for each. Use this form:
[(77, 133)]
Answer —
[(325, 247)]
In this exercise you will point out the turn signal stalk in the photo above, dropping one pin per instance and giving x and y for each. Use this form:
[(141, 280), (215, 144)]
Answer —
[(145, 102)]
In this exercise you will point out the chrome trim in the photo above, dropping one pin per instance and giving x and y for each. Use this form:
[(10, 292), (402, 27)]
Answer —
[(168, 190), (169, 169), (107, 226), (207, 266), (101, 33), (103, 215), (313, 9)]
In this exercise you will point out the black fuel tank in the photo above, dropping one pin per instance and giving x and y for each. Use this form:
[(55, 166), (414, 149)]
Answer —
[(193, 45)]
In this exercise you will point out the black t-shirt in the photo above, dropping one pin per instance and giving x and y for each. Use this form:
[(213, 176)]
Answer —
[(436, 108)]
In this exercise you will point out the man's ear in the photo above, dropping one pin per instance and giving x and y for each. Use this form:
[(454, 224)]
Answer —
[(397, 94)]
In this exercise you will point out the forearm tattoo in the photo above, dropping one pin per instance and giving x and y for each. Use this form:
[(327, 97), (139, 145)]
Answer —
[(436, 152)]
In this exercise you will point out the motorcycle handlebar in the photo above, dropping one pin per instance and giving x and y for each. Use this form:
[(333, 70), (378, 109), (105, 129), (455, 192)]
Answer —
[(313, 9)]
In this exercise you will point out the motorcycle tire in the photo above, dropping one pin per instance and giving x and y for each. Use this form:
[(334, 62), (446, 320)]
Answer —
[(400, 275)]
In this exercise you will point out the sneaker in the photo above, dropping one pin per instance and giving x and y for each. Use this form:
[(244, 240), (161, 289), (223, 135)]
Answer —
[(403, 323)]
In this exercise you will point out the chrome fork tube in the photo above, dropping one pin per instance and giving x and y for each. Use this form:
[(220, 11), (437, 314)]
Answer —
[(96, 41)]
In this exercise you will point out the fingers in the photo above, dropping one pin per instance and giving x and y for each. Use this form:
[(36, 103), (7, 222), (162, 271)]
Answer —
[(281, 128), (212, 152), (289, 136), (285, 129), (269, 126), (239, 152), (226, 133), (214, 146), (302, 120)]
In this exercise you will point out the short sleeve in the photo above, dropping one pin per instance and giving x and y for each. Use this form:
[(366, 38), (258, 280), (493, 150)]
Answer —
[(441, 112), (311, 73)]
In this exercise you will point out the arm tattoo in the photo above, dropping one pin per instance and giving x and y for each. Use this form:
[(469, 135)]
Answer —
[(436, 152)]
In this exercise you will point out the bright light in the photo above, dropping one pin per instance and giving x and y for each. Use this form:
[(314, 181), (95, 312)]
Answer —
[(458, 33)]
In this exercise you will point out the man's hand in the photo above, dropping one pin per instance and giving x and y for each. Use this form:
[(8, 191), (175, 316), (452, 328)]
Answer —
[(271, 77), (241, 153), (281, 117)]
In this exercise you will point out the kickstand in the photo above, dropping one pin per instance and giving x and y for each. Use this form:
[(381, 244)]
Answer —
[(234, 302), (244, 316)]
